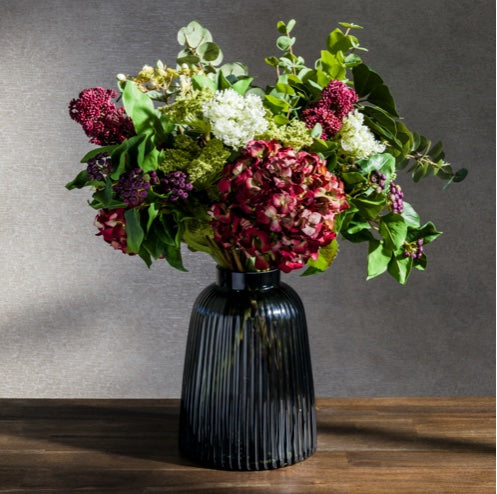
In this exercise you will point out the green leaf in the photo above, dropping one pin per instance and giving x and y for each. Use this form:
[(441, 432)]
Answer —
[(193, 35), (210, 52), (94, 152), (188, 59), (290, 25), (410, 216), (151, 161), (369, 206), (460, 175), (79, 182), (428, 232), (400, 267), (317, 131), (378, 258), (140, 108), (203, 82), (134, 231), (172, 254), (383, 163), (326, 256), (393, 229), (153, 211), (284, 43), (125, 155), (353, 178), (242, 85), (349, 25), (368, 84)]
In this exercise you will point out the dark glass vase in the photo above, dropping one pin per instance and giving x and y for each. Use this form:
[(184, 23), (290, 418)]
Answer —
[(248, 395)]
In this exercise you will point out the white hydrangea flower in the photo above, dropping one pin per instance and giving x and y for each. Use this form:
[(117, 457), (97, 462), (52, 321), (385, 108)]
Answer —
[(356, 139), (235, 119)]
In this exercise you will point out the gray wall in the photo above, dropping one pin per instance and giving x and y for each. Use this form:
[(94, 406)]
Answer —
[(78, 319)]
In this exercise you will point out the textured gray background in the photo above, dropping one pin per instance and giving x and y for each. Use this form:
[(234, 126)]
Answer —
[(78, 319)]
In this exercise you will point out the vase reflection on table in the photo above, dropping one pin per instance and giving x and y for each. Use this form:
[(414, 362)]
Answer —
[(248, 396)]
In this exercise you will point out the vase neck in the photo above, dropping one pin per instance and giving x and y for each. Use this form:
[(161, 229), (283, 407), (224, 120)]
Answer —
[(260, 280)]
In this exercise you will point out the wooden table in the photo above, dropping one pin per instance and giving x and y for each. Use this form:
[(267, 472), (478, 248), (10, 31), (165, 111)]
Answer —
[(368, 445)]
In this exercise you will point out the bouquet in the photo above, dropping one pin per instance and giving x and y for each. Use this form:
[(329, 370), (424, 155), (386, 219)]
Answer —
[(259, 178)]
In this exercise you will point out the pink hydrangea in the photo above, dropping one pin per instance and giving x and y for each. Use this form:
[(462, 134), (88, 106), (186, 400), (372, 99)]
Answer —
[(336, 102), (277, 206), (101, 120), (112, 227)]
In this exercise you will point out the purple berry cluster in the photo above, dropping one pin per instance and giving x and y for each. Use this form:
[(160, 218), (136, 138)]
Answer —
[(99, 166), (396, 197), (415, 252), (177, 185), (378, 181), (132, 187)]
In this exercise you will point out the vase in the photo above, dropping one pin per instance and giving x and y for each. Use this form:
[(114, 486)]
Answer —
[(247, 398)]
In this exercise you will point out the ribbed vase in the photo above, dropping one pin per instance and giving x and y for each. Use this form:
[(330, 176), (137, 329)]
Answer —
[(248, 395)]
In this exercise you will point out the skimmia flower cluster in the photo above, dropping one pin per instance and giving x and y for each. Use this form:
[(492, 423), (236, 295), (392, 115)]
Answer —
[(260, 179)]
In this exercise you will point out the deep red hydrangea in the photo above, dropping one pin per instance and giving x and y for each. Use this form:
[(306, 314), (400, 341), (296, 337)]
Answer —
[(277, 206), (101, 120), (336, 102), (112, 227)]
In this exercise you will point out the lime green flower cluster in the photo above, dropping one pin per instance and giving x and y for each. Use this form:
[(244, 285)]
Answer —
[(295, 134), (203, 164), (187, 109), (158, 78)]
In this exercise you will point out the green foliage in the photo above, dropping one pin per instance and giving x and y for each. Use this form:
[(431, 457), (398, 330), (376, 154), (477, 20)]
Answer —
[(177, 137)]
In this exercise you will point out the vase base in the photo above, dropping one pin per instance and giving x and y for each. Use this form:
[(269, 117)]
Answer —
[(244, 464)]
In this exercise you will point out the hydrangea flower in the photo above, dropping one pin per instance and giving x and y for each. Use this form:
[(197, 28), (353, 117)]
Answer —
[(235, 119), (356, 139), (112, 227), (277, 206)]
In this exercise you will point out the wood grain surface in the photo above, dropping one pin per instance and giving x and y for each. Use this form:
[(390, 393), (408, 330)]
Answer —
[(367, 445)]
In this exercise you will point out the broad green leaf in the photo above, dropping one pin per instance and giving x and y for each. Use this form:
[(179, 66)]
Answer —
[(125, 155), (393, 229), (140, 108), (378, 258), (153, 211), (203, 82), (94, 152), (400, 267), (172, 254), (242, 85), (382, 163), (368, 84), (427, 232), (134, 231), (79, 182), (410, 216), (150, 161), (369, 206)]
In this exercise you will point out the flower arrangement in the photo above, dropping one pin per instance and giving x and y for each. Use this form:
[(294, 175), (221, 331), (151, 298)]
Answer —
[(257, 178)]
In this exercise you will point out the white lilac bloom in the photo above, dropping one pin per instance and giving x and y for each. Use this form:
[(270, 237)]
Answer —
[(356, 139), (235, 119)]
